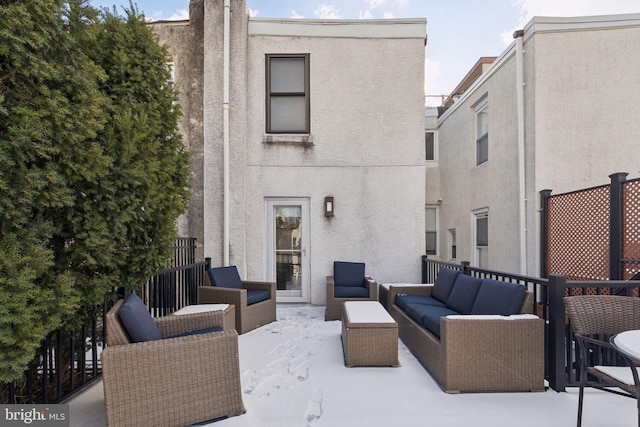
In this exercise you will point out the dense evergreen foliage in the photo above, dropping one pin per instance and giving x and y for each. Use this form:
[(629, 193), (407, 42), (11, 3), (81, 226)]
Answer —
[(92, 169)]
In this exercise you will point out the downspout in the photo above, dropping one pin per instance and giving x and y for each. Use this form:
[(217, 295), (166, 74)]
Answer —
[(522, 203), (225, 133)]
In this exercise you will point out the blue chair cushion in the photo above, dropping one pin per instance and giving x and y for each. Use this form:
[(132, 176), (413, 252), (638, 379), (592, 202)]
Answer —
[(137, 320), (402, 300), (348, 273), (350, 292), (464, 293), (257, 295), (496, 297), (444, 283), (225, 277), (431, 318), (199, 331)]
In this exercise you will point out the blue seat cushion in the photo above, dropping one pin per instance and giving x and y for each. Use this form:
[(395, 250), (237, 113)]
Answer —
[(403, 299), (137, 320), (497, 297), (431, 318), (199, 331), (225, 277), (444, 283), (348, 273), (464, 293), (350, 292), (257, 295)]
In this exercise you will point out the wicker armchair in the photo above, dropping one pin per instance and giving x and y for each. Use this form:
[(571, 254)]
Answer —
[(171, 381), (351, 285), (226, 287), (595, 318)]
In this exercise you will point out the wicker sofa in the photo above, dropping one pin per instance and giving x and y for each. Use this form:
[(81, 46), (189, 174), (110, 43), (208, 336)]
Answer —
[(465, 347)]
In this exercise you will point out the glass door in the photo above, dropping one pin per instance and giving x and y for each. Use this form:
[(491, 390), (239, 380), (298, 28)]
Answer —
[(287, 241)]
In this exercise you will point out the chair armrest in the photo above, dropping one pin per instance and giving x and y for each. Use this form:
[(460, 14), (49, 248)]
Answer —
[(173, 325), (148, 380), (424, 290), (331, 285), (372, 286), (253, 286), (217, 295)]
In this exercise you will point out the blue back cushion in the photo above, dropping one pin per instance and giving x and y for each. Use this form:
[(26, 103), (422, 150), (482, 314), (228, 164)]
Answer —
[(496, 297), (225, 277), (137, 320), (464, 293), (348, 273), (350, 292), (444, 283)]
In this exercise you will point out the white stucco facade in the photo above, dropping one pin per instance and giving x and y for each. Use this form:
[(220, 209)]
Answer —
[(365, 147), (577, 125)]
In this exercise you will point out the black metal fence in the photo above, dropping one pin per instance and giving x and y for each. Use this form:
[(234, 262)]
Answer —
[(561, 369), (66, 362)]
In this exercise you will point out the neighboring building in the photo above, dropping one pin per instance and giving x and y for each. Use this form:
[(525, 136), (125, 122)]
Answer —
[(557, 110), (320, 112)]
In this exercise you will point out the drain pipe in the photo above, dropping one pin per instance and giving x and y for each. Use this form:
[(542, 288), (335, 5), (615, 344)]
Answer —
[(225, 133), (522, 204)]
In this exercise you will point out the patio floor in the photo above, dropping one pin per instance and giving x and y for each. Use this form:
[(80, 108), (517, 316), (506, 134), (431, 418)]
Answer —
[(293, 374)]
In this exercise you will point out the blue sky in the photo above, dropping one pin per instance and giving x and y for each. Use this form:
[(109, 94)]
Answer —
[(459, 31)]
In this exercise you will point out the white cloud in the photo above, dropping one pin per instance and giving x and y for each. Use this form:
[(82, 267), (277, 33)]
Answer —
[(253, 12), (327, 11), (400, 3), (375, 3), (365, 15), (388, 15), (179, 15), (296, 15)]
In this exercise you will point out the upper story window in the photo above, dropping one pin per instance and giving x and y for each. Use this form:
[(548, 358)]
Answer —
[(482, 133), (287, 103), (430, 145)]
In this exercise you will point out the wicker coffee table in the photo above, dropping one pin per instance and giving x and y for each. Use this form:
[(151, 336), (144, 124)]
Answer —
[(369, 335)]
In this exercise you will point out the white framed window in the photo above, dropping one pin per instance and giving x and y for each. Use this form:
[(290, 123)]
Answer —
[(431, 227), (453, 248), (482, 132), (287, 87), (481, 238), (431, 145)]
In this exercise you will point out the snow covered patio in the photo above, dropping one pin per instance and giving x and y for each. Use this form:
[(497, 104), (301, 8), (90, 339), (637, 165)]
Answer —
[(293, 374)]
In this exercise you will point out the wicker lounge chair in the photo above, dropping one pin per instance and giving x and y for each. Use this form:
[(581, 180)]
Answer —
[(594, 318), (351, 285), (255, 302), (171, 381)]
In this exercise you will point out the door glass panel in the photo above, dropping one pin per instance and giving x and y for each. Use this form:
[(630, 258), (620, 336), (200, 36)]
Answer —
[(288, 249)]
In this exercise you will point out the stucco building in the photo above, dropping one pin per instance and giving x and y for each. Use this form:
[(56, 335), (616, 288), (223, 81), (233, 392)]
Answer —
[(556, 110), (306, 143)]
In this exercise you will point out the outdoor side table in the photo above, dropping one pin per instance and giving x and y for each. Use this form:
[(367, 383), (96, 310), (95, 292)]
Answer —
[(229, 310), (369, 335)]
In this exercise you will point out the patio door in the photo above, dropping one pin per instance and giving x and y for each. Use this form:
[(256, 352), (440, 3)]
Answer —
[(287, 243)]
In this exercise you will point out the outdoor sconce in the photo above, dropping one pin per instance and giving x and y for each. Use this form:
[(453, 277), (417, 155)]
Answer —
[(328, 206)]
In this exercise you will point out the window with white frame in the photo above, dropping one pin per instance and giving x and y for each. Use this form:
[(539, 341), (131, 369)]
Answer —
[(482, 133), (481, 238), (431, 227), (430, 144), (287, 87), (453, 249)]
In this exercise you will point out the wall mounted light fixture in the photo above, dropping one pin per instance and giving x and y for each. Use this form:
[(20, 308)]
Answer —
[(328, 206)]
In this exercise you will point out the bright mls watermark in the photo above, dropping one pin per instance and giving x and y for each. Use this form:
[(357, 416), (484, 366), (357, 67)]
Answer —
[(36, 415)]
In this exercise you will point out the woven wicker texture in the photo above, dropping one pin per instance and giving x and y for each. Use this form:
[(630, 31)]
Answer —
[(369, 344), (334, 305)]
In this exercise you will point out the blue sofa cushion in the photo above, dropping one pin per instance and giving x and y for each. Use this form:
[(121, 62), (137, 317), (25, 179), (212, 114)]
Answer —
[(199, 331), (350, 292), (254, 296), (464, 293), (225, 277), (137, 320), (496, 297), (348, 273), (402, 300), (431, 316), (444, 283)]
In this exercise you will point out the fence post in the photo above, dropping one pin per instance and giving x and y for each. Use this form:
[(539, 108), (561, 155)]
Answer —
[(544, 231), (424, 268), (465, 267), (615, 225), (556, 333)]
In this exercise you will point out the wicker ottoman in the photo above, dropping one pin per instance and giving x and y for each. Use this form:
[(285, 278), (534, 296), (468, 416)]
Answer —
[(369, 335)]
